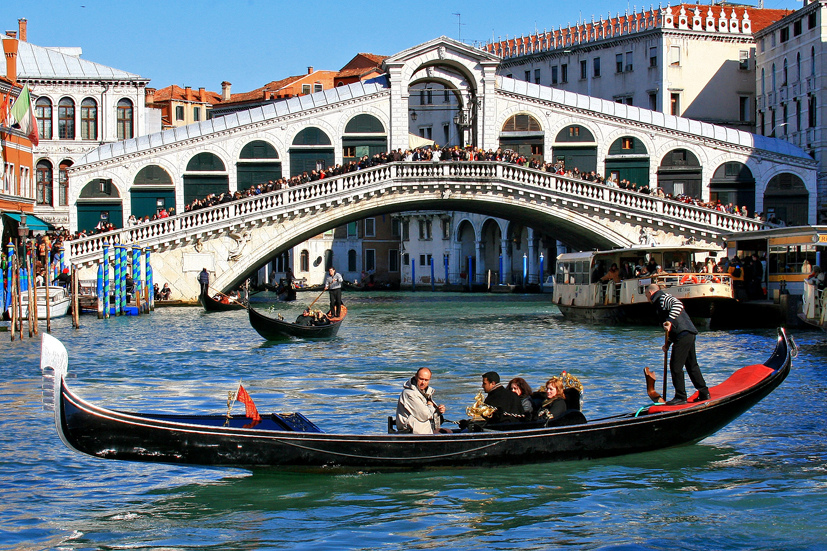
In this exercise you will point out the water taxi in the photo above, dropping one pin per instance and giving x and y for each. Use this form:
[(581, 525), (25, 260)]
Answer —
[(583, 290)]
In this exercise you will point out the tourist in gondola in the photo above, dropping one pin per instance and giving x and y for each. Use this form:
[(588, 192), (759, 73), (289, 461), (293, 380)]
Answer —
[(333, 283), (554, 405), (521, 388), (681, 335), (416, 410), (509, 407), (305, 318)]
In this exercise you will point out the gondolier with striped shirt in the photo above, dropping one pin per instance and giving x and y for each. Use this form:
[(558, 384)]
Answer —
[(681, 334), (333, 283)]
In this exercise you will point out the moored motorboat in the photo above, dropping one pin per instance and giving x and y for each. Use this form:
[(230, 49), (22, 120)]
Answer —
[(290, 441), (274, 329), (59, 302)]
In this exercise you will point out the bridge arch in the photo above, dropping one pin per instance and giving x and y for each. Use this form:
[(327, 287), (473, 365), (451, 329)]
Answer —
[(99, 201), (680, 172), (787, 198), (152, 189), (522, 130), (733, 182), (206, 173), (363, 134), (311, 148), (575, 145), (257, 162)]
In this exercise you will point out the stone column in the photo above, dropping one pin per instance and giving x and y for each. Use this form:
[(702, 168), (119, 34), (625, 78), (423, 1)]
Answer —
[(479, 246), (532, 256), (398, 109), (506, 254)]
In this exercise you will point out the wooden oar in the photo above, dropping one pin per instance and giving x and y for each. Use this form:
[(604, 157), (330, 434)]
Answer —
[(317, 298)]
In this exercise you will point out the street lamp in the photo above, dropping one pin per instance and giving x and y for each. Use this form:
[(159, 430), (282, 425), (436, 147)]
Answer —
[(413, 115), (22, 233)]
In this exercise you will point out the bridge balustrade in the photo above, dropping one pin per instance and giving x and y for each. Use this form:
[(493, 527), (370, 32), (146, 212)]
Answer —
[(182, 226)]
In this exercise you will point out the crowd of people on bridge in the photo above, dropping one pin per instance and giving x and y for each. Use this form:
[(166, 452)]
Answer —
[(427, 154)]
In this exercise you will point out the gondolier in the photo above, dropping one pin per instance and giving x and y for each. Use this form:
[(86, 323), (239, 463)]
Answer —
[(333, 283), (681, 332), (204, 280)]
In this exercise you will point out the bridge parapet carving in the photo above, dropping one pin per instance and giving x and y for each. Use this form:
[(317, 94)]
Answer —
[(464, 177)]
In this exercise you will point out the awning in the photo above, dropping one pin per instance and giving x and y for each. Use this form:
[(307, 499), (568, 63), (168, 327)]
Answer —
[(32, 222), (415, 141)]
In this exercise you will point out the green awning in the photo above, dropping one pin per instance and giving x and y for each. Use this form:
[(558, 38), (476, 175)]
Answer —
[(32, 222)]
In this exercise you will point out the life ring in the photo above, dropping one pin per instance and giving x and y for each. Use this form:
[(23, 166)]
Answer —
[(688, 278), (716, 279)]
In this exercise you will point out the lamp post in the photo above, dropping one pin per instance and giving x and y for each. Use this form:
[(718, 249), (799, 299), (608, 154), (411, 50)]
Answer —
[(22, 233)]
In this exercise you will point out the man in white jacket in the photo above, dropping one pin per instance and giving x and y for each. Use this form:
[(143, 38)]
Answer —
[(416, 411)]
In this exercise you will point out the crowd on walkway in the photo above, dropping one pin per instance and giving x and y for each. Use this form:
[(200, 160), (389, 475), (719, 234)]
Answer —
[(426, 154)]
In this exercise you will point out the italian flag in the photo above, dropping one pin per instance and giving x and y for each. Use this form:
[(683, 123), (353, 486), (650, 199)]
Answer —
[(23, 112)]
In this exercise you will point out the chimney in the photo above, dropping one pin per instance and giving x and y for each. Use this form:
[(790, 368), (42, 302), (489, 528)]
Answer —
[(310, 70), (202, 95), (10, 50), (11, 34), (21, 25), (225, 90), (149, 96)]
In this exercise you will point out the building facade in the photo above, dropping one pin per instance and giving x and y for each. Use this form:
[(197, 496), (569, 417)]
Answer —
[(79, 105), (791, 76), (693, 61), (181, 106)]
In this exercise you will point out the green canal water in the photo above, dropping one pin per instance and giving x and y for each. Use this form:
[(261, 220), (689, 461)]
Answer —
[(757, 484)]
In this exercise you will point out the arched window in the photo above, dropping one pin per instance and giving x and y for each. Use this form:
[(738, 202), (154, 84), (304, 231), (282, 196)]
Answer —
[(88, 119), (522, 123), (798, 66), (351, 260), (63, 183), (43, 114), (66, 119), (304, 261), (125, 120), (44, 183)]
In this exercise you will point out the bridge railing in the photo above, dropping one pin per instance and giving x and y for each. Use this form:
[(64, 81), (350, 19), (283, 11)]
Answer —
[(241, 211)]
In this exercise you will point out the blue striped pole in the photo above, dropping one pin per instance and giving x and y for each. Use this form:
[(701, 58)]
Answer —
[(433, 284), (100, 290), (124, 272), (136, 275), (61, 255), (117, 283), (445, 261), (105, 296), (525, 269), (9, 273), (470, 273), (502, 272), (150, 285)]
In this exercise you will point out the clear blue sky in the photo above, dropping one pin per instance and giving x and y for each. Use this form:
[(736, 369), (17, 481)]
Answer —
[(252, 42)]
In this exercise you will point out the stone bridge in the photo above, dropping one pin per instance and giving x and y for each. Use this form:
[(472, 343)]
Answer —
[(233, 239)]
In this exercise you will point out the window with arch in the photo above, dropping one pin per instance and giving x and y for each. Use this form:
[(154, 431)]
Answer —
[(88, 119), (43, 114), (304, 261), (351, 260), (44, 182), (66, 119), (521, 123), (798, 66), (125, 120), (63, 183)]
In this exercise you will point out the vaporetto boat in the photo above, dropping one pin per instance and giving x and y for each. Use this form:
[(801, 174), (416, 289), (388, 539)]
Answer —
[(581, 296)]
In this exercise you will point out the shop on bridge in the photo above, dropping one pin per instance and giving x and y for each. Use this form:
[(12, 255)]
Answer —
[(628, 160), (152, 191), (575, 147)]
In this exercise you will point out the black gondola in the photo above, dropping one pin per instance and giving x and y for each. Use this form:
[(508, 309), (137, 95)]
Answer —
[(291, 441), (212, 305), (274, 329)]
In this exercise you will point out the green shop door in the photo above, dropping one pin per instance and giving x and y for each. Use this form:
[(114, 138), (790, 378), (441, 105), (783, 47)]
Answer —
[(147, 202), (304, 160), (90, 214)]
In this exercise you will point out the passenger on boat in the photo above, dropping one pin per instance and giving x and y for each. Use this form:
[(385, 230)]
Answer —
[(612, 275), (508, 405), (598, 272), (166, 292), (305, 318), (416, 410), (681, 333), (320, 319), (554, 406), (816, 278), (521, 388)]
